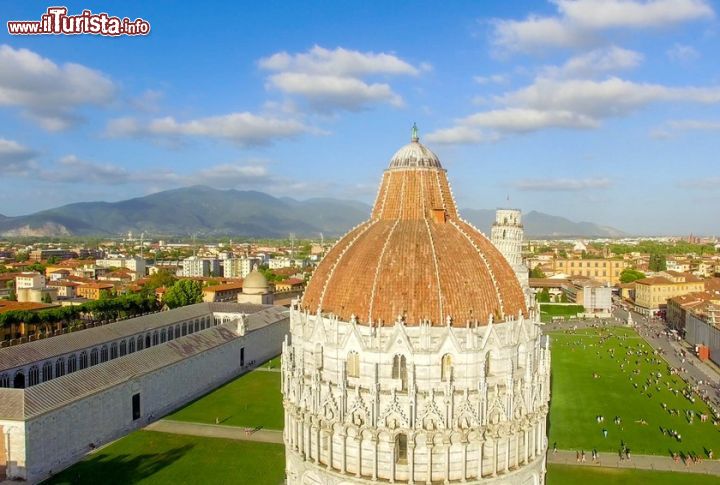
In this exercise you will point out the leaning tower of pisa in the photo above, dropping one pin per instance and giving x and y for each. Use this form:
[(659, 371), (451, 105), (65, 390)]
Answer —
[(507, 235)]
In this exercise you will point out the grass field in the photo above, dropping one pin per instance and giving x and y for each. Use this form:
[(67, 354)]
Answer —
[(273, 363), (251, 400), (569, 474), (577, 397), (549, 310), (161, 458)]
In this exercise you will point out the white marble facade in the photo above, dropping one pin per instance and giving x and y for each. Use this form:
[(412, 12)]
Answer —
[(415, 404), (507, 235)]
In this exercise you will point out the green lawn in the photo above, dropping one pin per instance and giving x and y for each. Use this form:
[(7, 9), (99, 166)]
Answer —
[(568, 474), (251, 400), (577, 398), (549, 310), (273, 363), (162, 458)]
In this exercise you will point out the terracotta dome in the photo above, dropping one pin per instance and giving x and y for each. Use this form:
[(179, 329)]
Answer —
[(415, 258)]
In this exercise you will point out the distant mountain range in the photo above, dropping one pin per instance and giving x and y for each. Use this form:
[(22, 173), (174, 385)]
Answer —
[(212, 212)]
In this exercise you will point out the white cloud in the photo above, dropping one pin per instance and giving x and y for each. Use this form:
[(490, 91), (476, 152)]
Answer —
[(338, 62), (47, 92), (492, 79), (682, 53), (337, 79), (14, 157), (329, 92), (708, 125), (245, 128), (562, 184), (581, 22), (596, 62), (707, 183), (575, 104)]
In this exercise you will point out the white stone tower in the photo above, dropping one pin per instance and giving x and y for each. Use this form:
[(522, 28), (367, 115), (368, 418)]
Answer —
[(507, 235), (414, 358)]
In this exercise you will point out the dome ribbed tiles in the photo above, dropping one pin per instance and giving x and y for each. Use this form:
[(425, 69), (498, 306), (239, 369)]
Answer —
[(415, 258)]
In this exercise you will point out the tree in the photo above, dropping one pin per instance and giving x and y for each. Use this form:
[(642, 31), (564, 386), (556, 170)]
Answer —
[(161, 278), (537, 272), (12, 294), (629, 275), (46, 298), (657, 262), (184, 292), (543, 296)]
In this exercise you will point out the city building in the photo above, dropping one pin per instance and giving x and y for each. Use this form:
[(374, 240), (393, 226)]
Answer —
[(604, 270), (413, 356), (44, 254), (194, 267), (507, 235), (64, 396), (255, 289), (702, 328), (239, 267), (223, 292), (652, 294), (137, 265), (93, 290), (595, 296), (29, 280)]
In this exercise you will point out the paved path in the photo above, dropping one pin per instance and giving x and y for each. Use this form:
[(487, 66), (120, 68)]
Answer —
[(265, 369), (641, 462), (216, 431)]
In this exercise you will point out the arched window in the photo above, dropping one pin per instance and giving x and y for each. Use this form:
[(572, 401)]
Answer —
[(163, 335), (19, 380), (147, 341), (488, 363), (401, 448), (504, 233), (184, 328), (60, 367), (5, 380), (131, 345), (353, 364), (156, 338), (34, 375), (83, 360), (47, 371), (94, 357), (139, 343), (446, 370), (71, 363), (399, 369), (197, 325), (104, 354), (113, 350), (171, 333), (123, 348)]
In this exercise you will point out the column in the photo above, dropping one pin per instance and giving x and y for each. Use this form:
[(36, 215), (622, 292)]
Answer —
[(480, 459), (446, 443), (343, 452), (464, 461), (317, 443), (301, 438), (330, 449), (495, 457), (411, 460), (507, 454), (374, 439), (538, 439), (517, 449), (527, 445), (428, 479), (358, 439)]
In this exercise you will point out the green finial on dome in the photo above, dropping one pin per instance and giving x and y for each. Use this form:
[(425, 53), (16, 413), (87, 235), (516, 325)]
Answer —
[(415, 136)]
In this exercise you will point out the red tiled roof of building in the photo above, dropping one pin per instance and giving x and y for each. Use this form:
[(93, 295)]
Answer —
[(225, 287), (415, 257), (9, 306)]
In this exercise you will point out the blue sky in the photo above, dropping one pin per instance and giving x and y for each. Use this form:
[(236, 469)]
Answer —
[(597, 110)]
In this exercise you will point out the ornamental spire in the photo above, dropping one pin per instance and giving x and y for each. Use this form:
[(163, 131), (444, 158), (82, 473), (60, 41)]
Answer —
[(415, 137)]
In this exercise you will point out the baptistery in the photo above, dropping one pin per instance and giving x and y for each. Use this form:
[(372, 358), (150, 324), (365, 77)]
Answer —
[(412, 356)]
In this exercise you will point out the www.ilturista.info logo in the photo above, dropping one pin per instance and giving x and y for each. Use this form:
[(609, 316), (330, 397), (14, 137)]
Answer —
[(57, 21)]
